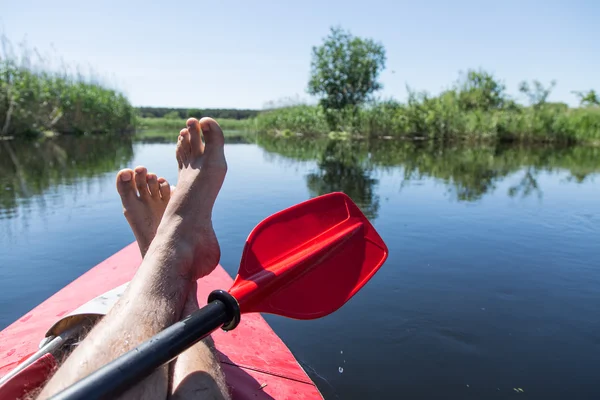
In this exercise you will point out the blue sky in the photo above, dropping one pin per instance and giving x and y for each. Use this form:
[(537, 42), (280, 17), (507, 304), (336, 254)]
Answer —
[(244, 54)]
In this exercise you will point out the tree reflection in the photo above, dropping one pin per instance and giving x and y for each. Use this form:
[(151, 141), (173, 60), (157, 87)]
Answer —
[(469, 171), (341, 168), (526, 186), (27, 169)]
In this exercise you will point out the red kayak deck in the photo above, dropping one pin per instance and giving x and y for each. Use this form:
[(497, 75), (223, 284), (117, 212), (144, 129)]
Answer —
[(257, 364)]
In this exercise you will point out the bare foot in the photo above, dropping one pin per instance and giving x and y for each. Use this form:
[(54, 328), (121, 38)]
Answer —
[(188, 216), (185, 248), (144, 197)]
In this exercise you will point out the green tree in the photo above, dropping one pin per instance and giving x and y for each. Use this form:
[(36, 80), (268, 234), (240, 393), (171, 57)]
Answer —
[(194, 113), (344, 70), (536, 92), (588, 99), (480, 90), (172, 115)]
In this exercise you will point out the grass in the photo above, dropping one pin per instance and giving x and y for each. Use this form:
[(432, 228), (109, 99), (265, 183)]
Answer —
[(167, 129), (436, 121), (475, 108), (36, 99)]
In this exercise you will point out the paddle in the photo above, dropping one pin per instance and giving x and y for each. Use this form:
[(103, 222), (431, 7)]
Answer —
[(304, 262)]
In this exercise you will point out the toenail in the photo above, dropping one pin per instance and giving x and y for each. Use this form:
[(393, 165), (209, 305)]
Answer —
[(126, 176)]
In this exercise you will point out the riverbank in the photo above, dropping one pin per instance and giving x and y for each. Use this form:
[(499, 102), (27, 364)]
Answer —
[(167, 129), (37, 99), (547, 123), (431, 119), (476, 106)]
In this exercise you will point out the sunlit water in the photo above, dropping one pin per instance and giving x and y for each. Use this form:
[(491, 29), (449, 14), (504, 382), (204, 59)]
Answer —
[(493, 279)]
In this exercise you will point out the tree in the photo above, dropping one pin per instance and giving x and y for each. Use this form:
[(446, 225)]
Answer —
[(480, 90), (536, 92), (588, 99), (344, 70), (172, 115), (194, 113)]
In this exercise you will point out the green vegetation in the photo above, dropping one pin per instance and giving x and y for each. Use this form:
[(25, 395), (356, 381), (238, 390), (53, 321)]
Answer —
[(344, 71), (164, 124), (182, 113), (344, 74), (475, 108), (28, 169), (35, 100), (165, 128), (469, 171), (589, 98)]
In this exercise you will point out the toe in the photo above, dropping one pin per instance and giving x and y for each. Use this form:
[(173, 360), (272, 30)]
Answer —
[(185, 141), (152, 181), (180, 152), (126, 185), (212, 132), (193, 127), (186, 146), (140, 181), (164, 188)]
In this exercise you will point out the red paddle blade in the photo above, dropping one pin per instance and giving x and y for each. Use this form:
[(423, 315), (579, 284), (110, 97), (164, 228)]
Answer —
[(307, 261)]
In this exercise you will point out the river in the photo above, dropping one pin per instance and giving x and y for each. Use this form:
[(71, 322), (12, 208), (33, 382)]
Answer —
[(491, 288)]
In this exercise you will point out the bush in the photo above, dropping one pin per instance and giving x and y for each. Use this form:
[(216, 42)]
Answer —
[(34, 100), (440, 118), (298, 119)]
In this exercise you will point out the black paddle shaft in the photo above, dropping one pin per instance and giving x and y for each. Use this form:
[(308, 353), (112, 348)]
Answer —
[(119, 375)]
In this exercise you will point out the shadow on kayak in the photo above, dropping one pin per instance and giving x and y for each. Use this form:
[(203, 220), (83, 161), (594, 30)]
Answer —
[(245, 387)]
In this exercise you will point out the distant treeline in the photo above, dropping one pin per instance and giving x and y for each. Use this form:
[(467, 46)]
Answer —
[(177, 113)]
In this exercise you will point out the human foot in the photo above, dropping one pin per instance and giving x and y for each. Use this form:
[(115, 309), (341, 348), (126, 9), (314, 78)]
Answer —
[(144, 197), (188, 216)]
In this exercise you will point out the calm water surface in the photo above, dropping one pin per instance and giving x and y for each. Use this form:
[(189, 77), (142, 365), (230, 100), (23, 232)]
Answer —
[(493, 279)]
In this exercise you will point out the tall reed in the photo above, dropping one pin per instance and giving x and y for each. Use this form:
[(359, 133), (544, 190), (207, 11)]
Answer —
[(37, 97)]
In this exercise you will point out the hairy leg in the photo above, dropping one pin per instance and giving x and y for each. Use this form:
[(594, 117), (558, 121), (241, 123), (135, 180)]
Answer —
[(185, 249), (197, 372)]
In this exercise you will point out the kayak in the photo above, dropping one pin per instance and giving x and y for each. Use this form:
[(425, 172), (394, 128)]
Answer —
[(256, 362)]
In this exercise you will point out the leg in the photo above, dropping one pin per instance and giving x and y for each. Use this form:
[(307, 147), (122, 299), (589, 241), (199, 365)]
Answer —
[(197, 370), (185, 249), (196, 373)]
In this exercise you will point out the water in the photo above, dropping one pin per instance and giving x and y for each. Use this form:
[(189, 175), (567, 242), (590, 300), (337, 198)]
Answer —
[(493, 279)]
